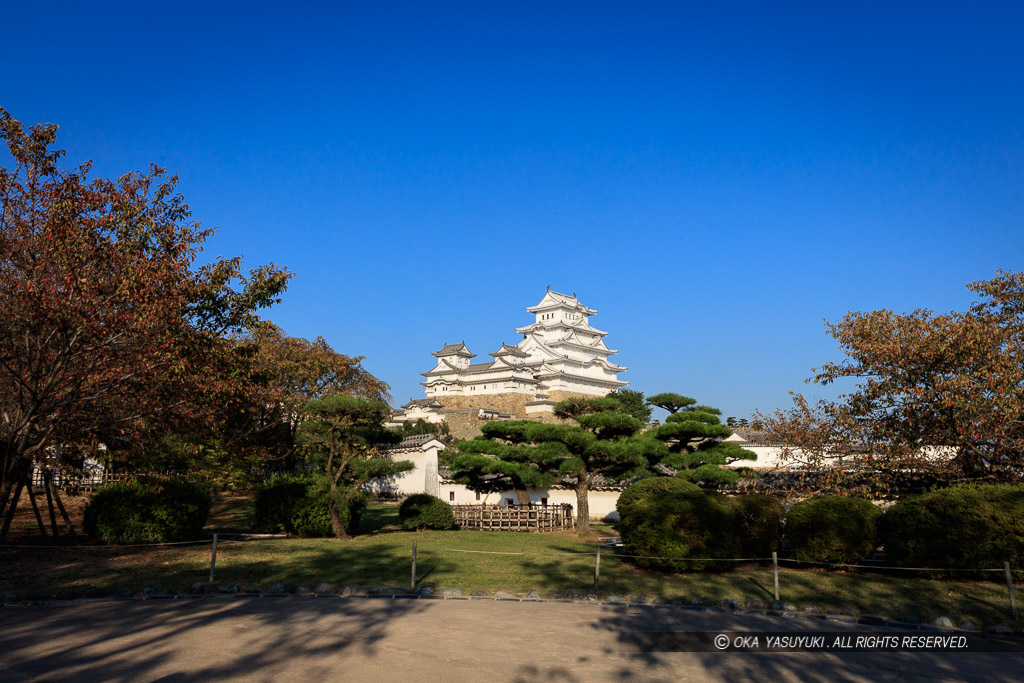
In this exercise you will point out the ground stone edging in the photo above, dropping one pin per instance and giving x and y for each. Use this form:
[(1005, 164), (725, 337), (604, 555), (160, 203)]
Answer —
[(327, 590)]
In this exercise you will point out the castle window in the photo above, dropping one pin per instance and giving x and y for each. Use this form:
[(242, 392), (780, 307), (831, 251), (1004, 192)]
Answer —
[(544, 502), (451, 496), (478, 495)]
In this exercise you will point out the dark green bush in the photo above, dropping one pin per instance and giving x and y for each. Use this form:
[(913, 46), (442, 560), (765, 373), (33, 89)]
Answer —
[(963, 527), (832, 529), (761, 519), (642, 491), (424, 511), (298, 504), (663, 518), (148, 511)]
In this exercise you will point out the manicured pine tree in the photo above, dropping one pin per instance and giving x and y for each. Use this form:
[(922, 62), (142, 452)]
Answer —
[(693, 436)]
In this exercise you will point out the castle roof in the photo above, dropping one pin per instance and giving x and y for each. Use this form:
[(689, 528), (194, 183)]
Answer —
[(507, 350), (478, 367), (454, 350), (553, 299), (576, 325), (423, 403)]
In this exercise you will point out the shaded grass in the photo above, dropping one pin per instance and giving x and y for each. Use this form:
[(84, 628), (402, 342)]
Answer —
[(556, 562)]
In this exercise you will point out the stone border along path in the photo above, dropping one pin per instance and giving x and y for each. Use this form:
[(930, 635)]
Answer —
[(203, 590)]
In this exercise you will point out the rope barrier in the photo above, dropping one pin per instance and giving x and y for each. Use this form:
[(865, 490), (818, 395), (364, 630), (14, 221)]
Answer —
[(108, 547), (607, 555), (494, 552)]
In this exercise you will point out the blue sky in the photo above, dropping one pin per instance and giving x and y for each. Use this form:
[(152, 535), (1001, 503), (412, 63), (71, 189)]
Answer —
[(715, 178)]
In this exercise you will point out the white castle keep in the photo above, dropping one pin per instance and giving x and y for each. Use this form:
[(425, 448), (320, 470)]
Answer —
[(559, 356)]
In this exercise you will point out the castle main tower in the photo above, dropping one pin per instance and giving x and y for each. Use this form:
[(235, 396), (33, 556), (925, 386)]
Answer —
[(560, 355)]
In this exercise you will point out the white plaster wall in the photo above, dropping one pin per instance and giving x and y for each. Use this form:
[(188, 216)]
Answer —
[(421, 479), (602, 503)]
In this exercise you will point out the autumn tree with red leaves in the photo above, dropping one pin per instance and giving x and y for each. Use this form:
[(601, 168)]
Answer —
[(939, 393), (289, 373), (109, 327)]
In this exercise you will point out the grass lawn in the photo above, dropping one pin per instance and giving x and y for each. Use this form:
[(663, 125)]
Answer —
[(382, 555)]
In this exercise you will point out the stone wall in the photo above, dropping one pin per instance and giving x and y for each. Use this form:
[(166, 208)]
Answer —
[(461, 412), (557, 395), (464, 424), (510, 404)]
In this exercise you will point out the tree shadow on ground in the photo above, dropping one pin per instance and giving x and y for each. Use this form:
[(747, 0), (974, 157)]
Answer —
[(648, 633), (194, 639), (380, 518), (41, 573)]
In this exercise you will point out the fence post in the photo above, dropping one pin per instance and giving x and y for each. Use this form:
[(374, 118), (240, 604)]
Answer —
[(1009, 586), (775, 573), (413, 584), (597, 570), (213, 558)]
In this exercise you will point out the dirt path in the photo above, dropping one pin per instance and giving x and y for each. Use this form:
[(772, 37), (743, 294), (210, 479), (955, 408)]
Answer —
[(307, 639)]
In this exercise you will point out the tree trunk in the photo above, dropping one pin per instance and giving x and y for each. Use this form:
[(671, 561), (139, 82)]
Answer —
[(333, 503), (48, 480), (582, 510), (522, 497), (11, 509), (49, 506), (6, 489), (35, 509)]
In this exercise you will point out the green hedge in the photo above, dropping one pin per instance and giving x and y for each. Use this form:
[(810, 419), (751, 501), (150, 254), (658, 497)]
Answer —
[(761, 520), (639, 494), (832, 529), (963, 527), (298, 504), (424, 511), (664, 518), (148, 511)]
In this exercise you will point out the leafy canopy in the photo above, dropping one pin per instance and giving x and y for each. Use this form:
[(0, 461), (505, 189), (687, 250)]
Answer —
[(600, 441), (693, 437), (110, 328), (343, 437), (935, 392)]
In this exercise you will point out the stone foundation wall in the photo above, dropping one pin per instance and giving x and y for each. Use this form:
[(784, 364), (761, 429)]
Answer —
[(464, 424), (461, 412), (557, 396), (511, 404)]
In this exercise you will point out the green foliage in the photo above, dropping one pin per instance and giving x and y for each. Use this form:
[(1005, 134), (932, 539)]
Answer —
[(693, 436), (424, 511), (206, 460), (341, 438), (421, 426), (963, 527), (664, 518), (636, 495), (153, 511), (761, 519), (605, 441), (633, 404), (832, 529), (300, 504), (488, 466)]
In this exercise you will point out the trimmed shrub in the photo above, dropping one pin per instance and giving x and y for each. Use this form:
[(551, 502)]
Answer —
[(761, 519), (832, 529), (642, 491), (663, 518), (965, 527), (298, 504), (148, 511), (424, 511)]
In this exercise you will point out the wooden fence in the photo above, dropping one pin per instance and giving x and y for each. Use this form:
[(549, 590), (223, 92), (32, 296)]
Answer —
[(78, 482), (514, 517)]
